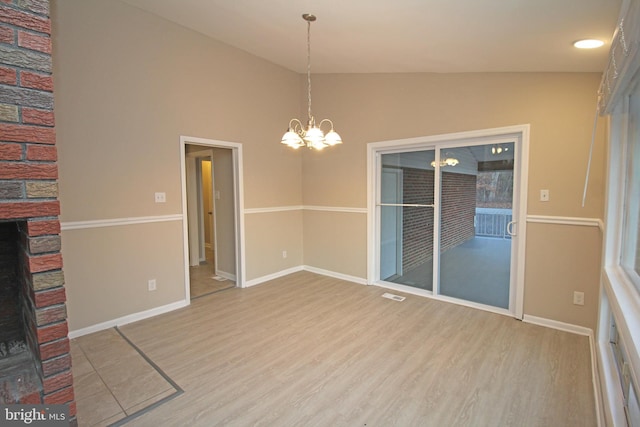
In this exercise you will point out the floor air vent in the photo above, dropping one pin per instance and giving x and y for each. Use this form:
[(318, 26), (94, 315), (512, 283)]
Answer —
[(393, 297)]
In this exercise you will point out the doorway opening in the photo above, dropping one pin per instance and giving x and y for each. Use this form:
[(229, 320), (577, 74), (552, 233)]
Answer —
[(445, 214), (213, 226)]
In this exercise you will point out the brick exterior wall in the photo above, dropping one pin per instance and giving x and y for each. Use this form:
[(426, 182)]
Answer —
[(417, 223), (29, 196), (458, 209), (458, 202)]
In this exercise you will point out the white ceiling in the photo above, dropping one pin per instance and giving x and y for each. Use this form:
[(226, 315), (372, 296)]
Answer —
[(389, 36)]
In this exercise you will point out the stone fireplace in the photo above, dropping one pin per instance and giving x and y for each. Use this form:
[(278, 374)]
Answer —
[(35, 364)]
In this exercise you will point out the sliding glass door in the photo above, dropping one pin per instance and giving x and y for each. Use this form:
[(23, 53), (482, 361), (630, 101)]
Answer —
[(446, 221), (476, 202)]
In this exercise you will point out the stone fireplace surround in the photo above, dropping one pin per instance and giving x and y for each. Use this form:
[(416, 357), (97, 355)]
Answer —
[(30, 258)]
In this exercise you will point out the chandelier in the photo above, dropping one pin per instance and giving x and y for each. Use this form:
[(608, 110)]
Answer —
[(313, 136), (448, 161)]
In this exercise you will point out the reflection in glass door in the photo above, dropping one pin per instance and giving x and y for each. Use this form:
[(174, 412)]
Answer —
[(476, 202), (448, 209), (406, 206)]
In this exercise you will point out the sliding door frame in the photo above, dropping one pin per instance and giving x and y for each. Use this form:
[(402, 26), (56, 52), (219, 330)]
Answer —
[(519, 134)]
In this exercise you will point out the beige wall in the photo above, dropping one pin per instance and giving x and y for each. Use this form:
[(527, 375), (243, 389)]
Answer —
[(129, 84), (107, 270), (560, 109), (379, 107), (267, 235), (562, 259), (338, 242)]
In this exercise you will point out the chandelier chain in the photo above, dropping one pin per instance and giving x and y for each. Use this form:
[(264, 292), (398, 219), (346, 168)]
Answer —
[(309, 67)]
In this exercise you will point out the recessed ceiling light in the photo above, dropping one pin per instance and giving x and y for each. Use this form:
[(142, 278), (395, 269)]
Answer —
[(588, 44)]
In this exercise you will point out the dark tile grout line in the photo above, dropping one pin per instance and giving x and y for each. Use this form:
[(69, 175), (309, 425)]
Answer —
[(151, 407), (101, 379)]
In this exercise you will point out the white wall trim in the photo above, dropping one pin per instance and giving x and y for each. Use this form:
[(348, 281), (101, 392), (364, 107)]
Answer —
[(273, 209), (115, 222), (566, 220), (348, 278), (259, 280), (335, 209), (128, 319), (561, 326), (306, 208), (595, 379)]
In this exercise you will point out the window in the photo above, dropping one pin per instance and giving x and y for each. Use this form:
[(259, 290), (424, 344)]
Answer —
[(630, 250)]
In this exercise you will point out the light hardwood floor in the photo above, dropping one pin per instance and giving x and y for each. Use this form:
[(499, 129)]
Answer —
[(307, 350), (203, 278)]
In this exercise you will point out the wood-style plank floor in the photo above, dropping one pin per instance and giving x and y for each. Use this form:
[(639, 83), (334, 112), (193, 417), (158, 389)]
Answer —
[(308, 350)]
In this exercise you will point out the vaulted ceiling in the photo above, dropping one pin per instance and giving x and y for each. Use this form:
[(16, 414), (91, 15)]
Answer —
[(391, 36)]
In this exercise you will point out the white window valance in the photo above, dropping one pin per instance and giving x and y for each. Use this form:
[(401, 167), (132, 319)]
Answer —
[(624, 58)]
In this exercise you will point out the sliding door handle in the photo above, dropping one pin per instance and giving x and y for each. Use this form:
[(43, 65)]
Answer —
[(510, 229)]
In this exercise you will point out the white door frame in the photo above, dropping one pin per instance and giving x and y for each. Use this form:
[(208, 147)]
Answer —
[(238, 195), (518, 134)]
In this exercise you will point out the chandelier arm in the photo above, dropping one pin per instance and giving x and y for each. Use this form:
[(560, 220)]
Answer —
[(326, 120), (296, 126)]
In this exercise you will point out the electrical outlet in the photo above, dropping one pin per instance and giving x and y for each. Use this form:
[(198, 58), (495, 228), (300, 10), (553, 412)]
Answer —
[(578, 298), (544, 195), (152, 284), (161, 197), (284, 254)]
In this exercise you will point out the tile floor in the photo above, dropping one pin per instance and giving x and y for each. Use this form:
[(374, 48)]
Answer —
[(112, 380)]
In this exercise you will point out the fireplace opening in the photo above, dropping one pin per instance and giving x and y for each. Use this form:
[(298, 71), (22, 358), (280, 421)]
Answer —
[(18, 374)]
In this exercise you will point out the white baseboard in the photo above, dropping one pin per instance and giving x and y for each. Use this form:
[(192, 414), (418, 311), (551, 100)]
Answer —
[(348, 278), (128, 319), (308, 268), (272, 276), (554, 324), (228, 276)]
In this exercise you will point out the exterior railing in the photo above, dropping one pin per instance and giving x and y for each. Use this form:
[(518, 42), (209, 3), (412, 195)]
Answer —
[(492, 222)]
